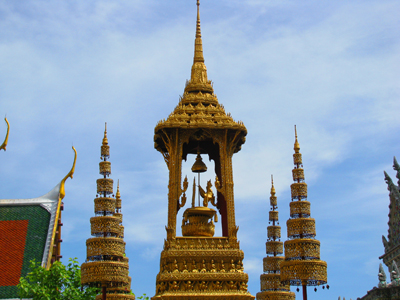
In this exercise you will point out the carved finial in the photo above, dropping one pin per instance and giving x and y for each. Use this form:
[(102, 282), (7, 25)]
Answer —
[(382, 275), (198, 80), (198, 51), (385, 243), (70, 175), (296, 143), (388, 180), (394, 274), (4, 145), (396, 166), (105, 148), (273, 192), (118, 194), (105, 140), (273, 198), (198, 29)]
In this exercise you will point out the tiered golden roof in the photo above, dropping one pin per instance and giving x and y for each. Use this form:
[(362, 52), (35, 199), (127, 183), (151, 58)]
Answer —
[(271, 286), (302, 265), (198, 107), (106, 265)]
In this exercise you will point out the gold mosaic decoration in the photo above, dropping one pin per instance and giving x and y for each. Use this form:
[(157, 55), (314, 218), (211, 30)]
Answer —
[(199, 265), (106, 266), (270, 281), (302, 265)]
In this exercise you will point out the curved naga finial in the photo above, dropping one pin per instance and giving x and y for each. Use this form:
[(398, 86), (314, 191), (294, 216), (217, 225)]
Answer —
[(70, 174), (4, 145), (396, 166)]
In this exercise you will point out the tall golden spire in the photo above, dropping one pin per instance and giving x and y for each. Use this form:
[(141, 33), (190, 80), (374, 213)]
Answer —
[(271, 287), (302, 265), (198, 44), (198, 80), (106, 265)]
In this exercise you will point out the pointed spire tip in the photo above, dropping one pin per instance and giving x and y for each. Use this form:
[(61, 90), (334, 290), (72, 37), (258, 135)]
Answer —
[(296, 143), (105, 139)]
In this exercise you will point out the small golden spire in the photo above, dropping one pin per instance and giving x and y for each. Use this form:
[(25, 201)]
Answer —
[(198, 49), (198, 78), (296, 143), (118, 195), (105, 148), (105, 140), (273, 198), (273, 192)]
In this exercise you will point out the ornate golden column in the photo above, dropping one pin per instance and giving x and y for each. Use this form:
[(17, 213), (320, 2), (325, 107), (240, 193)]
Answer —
[(106, 265), (271, 286), (198, 265), (302, 265)]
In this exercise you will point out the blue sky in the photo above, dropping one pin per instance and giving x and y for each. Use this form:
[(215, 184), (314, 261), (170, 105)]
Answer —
[(330, 67)]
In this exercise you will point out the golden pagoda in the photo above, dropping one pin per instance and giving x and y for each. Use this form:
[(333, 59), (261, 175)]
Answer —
[(302, 265), (106, 265), (198, 265), (271, 286)]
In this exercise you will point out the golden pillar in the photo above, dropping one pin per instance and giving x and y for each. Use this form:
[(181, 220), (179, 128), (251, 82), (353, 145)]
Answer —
[(302, 265), (106, 265), (271, 286), (198, 265)]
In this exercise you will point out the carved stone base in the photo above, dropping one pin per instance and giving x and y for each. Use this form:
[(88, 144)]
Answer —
[(276, 295), (202, 268), (204, 296)]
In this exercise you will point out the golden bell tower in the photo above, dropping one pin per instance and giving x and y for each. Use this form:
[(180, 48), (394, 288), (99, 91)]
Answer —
[(198, 265)]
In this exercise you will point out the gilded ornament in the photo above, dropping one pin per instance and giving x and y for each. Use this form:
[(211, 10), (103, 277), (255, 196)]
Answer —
[(105, 185), (302, 249), (104, 204), (298, 208), (302, 265), (105, 167), (270, 283), (106, 265), (301, 227), (55, 244)]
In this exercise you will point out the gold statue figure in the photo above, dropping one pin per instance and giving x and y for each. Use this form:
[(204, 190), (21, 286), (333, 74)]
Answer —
[(208, 195)]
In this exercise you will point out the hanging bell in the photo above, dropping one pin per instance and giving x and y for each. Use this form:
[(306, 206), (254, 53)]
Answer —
[(199, 166)]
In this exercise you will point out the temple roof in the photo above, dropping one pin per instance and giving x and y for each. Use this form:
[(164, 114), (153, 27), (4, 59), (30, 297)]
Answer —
[(27, 229)]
